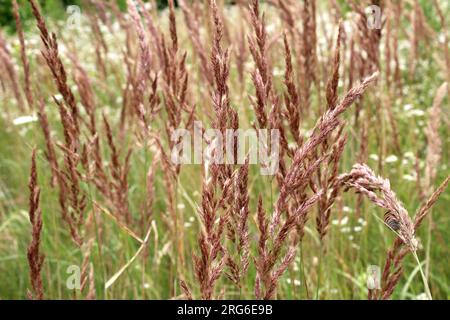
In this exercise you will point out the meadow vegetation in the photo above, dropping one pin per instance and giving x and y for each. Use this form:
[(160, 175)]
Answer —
[(89, 105)]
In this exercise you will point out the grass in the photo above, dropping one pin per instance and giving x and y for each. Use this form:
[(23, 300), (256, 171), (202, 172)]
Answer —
[(334, 268)]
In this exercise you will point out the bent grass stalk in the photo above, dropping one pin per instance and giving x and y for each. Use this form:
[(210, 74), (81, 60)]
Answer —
[(414, 253)]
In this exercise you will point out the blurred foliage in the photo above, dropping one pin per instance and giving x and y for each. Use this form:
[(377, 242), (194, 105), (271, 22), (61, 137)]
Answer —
[(52, 8)]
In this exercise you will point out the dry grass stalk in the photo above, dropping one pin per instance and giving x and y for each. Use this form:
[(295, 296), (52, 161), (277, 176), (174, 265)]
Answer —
[(308, 52), (119, 174), (101, 9), (212, 259), (327, 177), (35, 257), (86, 92), (91, 294), (225, 116), (420, 32), (69, 179), (87, 280), (186, 291), (434, 149), (434, 142), (369, 40), (297, 176), (143, 68), (241, 53), (331, 179), (8, 63), (23, 55), (50, 144), (101, 49), (332, 85), (262, 75), (393, 269), (292, 99), (153, 30), (445, 42), (364, 180), (424, 210), (268, 273), (51, 56), (238, 227), (192, 24), (180, 113)]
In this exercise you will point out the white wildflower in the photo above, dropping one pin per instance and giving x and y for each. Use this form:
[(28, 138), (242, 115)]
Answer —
[(407, 107), (345, 230), (24, 119), (315, 261), (409, 154), (416, 112), (391, 159), (409, 177), (181, 206), (344, 221), (422, 296)]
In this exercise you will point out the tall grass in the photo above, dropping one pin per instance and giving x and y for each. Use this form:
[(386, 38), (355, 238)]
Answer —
[(104, 98)]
